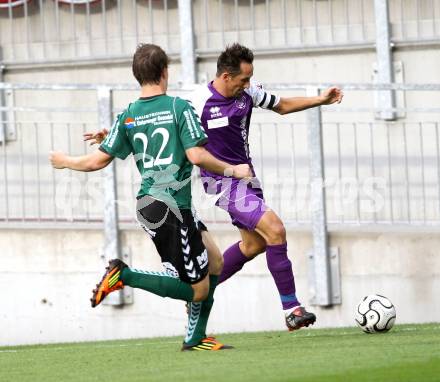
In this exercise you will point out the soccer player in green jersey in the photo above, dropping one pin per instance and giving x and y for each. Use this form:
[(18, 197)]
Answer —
[(164, 135)]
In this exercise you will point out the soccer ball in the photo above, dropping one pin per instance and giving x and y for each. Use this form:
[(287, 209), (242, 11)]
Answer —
[(375, 313)]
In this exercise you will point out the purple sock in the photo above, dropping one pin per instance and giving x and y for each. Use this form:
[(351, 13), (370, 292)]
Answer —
[(234, 261), (281, 268)]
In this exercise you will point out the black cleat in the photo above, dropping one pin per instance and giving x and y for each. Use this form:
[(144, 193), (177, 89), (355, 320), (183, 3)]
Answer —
[(299, 318)]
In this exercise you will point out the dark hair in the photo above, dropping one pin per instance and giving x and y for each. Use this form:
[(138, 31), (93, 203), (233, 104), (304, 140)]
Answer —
[(230, 59), (149, 62)]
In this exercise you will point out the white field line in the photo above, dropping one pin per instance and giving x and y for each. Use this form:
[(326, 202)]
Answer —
[(49, 348), (311, 333)]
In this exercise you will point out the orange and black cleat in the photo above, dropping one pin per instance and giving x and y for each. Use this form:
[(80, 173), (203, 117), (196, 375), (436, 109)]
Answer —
[(207, 344), (110, 281)]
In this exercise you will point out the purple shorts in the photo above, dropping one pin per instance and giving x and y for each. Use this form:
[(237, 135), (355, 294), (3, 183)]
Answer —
[(242, 199)]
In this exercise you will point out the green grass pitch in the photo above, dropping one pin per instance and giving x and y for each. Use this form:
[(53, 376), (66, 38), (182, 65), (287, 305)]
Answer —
[(406, 353)]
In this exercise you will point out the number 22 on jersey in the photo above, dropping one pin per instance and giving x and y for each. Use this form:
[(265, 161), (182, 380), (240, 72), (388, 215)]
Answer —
[(148, 160)]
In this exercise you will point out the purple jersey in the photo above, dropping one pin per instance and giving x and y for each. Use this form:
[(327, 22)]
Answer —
[(226, 120)]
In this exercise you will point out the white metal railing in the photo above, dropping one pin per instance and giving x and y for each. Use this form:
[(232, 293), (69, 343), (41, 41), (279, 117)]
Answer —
[(376, 173), (46, 31)]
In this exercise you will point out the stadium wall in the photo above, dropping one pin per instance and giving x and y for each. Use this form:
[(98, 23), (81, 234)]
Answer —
[(48, 275)]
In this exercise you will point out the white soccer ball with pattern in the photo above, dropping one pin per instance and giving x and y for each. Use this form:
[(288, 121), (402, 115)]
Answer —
[(375, 313)]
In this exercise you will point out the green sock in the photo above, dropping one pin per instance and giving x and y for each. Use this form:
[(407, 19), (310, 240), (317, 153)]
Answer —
[(159, 283), (198, 315)]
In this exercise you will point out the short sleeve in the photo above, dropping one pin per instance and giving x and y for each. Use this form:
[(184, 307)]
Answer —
[(116, 143), (188, 124), (261, 98)]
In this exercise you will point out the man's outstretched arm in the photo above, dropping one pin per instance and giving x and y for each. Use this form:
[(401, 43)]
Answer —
[(201, 157), (292, 104), (90, 162)]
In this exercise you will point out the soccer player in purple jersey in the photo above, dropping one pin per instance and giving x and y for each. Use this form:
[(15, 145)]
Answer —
[(225, 108)]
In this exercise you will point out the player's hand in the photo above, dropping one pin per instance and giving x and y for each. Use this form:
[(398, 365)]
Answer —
[(331, 95), (97, 137), (57, 159), (241, 171)]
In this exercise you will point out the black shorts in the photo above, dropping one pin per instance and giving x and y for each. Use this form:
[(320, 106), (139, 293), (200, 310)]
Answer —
[(178, 239)]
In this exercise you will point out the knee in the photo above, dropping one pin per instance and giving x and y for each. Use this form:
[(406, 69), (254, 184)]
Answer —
[(276, 234), (200, 292), (216, 263), (214, 255), (252, 249), (219, 263)]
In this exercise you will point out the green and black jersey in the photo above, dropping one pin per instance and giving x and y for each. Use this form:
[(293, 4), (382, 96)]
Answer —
[(157, 131)]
